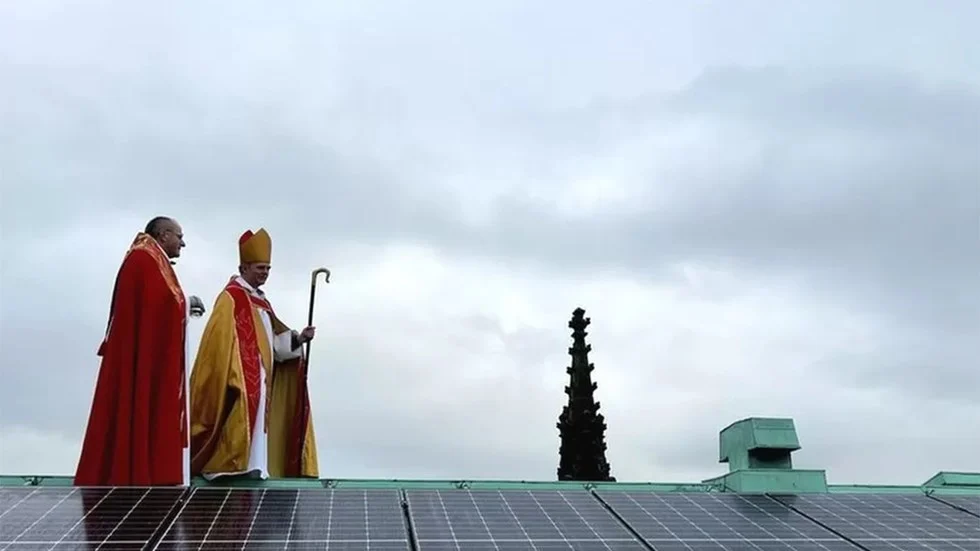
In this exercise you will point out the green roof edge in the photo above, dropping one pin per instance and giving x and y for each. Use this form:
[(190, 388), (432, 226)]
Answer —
[(416, 484), (953, 480), (758, 451)]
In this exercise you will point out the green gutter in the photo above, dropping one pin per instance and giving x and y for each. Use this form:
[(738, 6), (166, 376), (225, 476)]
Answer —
[(399, 484), (36, 480), (873, 489)]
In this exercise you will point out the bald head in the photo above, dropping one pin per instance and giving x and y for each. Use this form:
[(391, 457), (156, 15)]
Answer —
[(168, 233), (156, 225)]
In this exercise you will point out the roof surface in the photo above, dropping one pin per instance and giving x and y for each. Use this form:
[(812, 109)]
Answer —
[(762, 503)]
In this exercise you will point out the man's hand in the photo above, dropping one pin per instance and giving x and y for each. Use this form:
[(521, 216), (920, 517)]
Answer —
[(306, 335), (196, 306)]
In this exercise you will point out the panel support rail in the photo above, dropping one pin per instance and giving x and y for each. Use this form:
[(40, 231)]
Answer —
[(409, 522), (629, 528), (168, 521), (817, 522), (953, 505)]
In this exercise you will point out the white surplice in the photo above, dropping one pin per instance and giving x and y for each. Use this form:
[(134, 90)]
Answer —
[(282, 350), (187, 398)]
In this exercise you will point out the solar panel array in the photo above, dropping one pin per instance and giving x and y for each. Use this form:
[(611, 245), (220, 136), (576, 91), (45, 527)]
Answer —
[(483, 519), (62, 518), (719, 521), (967, 503), (891, 521), (289, 519), (118, 519)]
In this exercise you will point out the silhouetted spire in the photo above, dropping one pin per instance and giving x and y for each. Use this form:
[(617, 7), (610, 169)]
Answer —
[(582, 455)]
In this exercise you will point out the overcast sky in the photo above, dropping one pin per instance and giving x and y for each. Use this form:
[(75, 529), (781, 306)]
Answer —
[(766, 208)]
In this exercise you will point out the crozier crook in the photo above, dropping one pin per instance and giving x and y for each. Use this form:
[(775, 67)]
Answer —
[(313, 277)]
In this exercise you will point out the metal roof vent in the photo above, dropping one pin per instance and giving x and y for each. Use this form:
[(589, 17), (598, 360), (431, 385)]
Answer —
[(758, 452)]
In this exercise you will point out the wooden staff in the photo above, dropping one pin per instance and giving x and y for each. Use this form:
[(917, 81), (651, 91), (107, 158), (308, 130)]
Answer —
[(301, 421), (326, 279)]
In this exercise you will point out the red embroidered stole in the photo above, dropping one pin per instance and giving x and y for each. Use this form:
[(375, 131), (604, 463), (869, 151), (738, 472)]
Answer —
[(248, 348)]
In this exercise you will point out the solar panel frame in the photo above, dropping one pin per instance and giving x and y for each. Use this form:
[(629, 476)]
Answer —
[(891, 521), (720, 521), (968, 503), (103, 518), (514, 519), (317, 518)]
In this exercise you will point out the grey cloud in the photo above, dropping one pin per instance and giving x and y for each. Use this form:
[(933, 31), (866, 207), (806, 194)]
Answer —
[(868, 101), (897, 239), (31, 381), (938, 364)]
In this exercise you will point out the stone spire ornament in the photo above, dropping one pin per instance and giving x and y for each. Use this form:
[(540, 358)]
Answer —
[(582, 455)]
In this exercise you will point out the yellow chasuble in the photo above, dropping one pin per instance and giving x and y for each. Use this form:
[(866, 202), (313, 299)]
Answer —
[(240, 388)]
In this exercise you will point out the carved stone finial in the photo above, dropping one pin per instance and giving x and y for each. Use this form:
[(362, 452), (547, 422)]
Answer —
[(581, 426)]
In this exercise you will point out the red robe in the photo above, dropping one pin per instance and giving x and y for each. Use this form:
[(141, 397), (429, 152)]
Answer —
[(137, 428)]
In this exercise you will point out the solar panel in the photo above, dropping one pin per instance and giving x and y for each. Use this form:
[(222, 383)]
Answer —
[(689, 521), (110, 518), (892, 521), (289, 519), (11, 496), (970, 503), (512, 519)]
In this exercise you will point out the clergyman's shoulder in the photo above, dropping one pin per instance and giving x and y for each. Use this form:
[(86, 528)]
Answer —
[(224, 299), (139, 262)]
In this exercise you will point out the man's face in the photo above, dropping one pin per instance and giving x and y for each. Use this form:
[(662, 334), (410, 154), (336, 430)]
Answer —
[(172, 239), (256, 273)]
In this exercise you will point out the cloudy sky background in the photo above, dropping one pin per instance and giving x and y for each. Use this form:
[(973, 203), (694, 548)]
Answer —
[(767, 208)]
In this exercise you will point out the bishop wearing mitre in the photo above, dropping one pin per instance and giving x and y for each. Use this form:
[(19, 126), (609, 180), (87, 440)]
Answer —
[(250, 412)]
